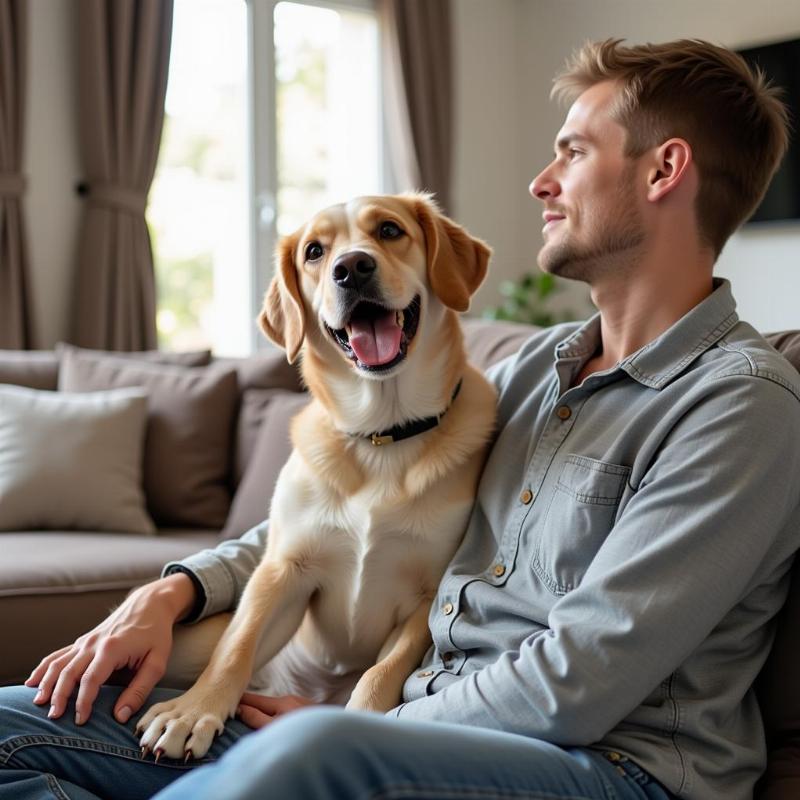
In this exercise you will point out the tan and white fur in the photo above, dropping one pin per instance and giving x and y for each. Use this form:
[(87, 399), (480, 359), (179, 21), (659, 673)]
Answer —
[(359, 534)]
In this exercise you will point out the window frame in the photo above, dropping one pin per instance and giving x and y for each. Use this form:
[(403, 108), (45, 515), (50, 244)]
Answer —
[(262, 142)]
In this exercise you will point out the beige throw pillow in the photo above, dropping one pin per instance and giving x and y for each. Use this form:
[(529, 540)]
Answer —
[(72, 461)]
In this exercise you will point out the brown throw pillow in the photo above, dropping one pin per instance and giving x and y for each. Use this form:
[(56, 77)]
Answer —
[(36, 369), (267, 369), (787, 343), (252, 410), (189, 428), (187, 358), (271, 450)]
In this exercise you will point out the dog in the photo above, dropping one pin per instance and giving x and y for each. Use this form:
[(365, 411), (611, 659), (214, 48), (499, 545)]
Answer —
[(375, 497)]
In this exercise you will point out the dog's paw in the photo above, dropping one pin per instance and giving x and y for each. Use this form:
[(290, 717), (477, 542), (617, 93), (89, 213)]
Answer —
[(181, 728)]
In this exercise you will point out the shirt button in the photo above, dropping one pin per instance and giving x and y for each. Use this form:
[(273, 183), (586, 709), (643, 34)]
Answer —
[(499, 570), (564, 412), (426, 674), (447, 656), (526, 496), (447, 609)]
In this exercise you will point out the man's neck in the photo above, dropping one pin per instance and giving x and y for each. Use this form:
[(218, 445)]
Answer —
[(635, 312)]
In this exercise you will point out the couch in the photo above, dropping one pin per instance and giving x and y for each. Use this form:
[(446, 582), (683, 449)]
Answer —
[(213, 435)]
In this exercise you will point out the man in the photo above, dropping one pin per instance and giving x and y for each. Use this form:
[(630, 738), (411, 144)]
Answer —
[(599, 630)]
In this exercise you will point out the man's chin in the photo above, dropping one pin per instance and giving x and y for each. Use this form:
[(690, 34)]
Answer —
[(558, 262)]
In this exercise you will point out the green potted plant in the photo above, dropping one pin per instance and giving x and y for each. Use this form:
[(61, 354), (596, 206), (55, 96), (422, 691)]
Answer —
[(527, 300)]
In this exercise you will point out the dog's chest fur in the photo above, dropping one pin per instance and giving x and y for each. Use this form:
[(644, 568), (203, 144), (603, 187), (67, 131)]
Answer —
[(376, 547)]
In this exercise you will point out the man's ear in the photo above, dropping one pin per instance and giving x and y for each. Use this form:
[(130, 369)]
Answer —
[(671, 162), (457, 262), (283, 317)]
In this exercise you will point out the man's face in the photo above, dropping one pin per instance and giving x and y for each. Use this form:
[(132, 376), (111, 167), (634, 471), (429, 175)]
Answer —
[(593, 222)]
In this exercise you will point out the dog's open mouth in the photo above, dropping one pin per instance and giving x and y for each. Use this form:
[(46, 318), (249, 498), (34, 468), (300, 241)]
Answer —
[(376, 337)]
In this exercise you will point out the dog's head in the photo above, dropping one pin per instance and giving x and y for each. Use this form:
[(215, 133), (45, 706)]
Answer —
[(359, 276)]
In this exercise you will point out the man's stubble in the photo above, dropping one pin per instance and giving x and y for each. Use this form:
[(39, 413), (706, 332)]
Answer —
[(616, 239)]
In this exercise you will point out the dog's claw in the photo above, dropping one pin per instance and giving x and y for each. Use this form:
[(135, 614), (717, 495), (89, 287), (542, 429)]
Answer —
[(188, 755), (145, 751), (159, 753)]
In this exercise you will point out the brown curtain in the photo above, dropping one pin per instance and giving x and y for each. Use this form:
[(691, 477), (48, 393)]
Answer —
[(123, 59), (418, 90), (16, 317)]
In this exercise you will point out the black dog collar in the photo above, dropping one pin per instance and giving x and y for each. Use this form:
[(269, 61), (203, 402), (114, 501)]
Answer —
[(400, 432)]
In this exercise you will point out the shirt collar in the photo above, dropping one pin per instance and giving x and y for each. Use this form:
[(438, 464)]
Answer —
[(659, 361)]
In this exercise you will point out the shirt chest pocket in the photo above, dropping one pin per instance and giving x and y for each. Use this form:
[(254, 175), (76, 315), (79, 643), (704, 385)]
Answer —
[(579, 517)]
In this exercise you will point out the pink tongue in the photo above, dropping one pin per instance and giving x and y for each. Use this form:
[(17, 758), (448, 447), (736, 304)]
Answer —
[(376, 341)]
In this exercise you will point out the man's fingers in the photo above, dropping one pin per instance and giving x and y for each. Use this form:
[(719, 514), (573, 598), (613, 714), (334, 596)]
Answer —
[(267, 705), (147, 676), (274, 706), (51, 675), (94, 676), (38, 673), (65, 683), (253, 717)]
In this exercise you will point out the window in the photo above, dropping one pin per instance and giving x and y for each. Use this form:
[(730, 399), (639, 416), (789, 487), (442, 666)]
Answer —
[(272, 112)]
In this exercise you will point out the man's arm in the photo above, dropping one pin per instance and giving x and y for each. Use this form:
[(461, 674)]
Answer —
[(220, 574), (138, 634), (706, 523)]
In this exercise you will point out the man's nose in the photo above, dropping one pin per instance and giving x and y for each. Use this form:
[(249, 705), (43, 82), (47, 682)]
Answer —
[(544, 185)]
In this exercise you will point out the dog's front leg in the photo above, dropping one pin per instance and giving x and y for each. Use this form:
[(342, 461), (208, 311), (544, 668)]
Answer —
[(380, 687), (271, 609)]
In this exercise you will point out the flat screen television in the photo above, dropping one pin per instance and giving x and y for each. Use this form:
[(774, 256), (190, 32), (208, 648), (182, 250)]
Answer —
[(781, 63)]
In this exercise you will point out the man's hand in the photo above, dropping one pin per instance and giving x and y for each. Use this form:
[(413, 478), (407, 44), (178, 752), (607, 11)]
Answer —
[(256, 711), (137, 635)]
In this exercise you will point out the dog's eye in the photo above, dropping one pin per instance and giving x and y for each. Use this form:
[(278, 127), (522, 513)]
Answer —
[(390, 230), (314, 251)]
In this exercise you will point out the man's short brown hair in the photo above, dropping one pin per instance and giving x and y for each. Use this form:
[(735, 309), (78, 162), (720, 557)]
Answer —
[(731, 117)]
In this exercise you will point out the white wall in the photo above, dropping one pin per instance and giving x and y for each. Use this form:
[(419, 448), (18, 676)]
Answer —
[(506, 53), (488, 188)]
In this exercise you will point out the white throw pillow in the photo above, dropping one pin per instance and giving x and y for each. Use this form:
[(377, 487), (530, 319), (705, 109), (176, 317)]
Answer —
[(72, 461)]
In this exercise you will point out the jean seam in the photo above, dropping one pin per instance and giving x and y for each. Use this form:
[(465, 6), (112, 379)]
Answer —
[(12, 746), (422, 790), (55, 787)]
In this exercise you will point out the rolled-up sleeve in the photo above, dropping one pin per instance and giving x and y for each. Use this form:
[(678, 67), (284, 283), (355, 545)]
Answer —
[(222, 572)]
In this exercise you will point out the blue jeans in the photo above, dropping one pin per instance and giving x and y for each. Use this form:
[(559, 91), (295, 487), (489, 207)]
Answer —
[(42, 758), (314, 753)]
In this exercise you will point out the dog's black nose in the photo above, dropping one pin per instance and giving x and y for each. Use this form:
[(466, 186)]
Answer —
[(353, 270)]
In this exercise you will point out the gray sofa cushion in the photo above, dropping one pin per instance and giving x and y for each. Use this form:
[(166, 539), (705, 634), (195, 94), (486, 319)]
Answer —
[(56, 585)]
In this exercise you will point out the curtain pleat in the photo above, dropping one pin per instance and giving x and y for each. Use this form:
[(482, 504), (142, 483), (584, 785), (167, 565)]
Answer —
[(16, 313), (123, 63), (418, 92)]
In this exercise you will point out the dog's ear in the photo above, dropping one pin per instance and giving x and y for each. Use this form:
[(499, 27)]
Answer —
[(457, 262), (283, 317)]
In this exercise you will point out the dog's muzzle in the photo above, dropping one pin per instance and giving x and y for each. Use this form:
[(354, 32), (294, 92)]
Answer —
[(376, 338)]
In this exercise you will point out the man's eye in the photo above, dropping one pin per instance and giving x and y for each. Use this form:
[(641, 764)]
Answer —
[(573, 152), (389, 230), (314, 251)]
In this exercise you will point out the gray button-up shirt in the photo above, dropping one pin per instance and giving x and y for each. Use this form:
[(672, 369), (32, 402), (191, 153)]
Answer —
[(630, 543)]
